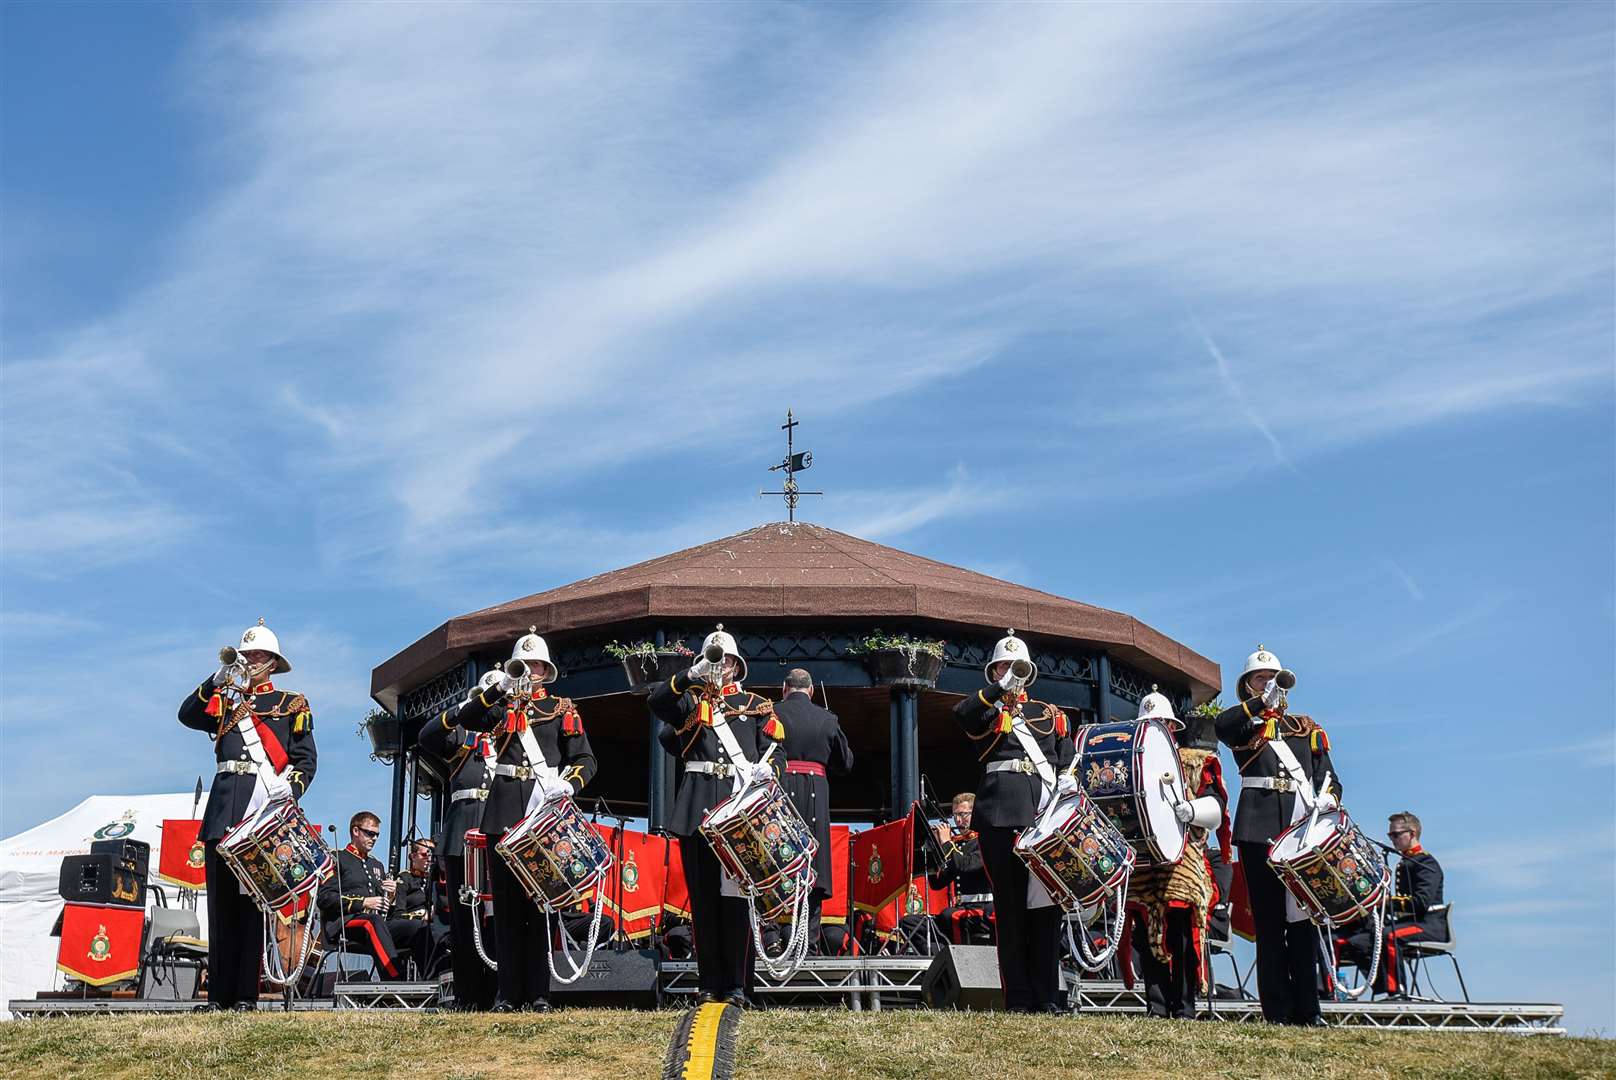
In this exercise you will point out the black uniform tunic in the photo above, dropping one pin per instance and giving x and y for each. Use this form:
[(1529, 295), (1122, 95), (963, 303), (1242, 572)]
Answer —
[(1418, 914), (813, 735), (964, 921), (342, 904), (286, 730), (1006, 801), (1287, 952), (720, 924), (469, 784), (522, 931)]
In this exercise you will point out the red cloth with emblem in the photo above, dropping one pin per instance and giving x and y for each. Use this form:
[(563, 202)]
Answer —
[(1240, 918), (883, 864), (634, 885), (834, 910), (180, 859), (100, 943), (675, 893)]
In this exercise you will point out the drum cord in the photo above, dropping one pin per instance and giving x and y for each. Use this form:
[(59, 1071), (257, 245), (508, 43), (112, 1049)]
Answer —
[(1083, 947), (274, 972), (791, 958), (477, 932), (566, 941), (1327, 938)]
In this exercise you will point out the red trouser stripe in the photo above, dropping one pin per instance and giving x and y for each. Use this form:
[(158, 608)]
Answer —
[(376, 945)]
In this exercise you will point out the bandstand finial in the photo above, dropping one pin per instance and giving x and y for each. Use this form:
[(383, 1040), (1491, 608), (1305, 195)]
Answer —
[(794, 463)]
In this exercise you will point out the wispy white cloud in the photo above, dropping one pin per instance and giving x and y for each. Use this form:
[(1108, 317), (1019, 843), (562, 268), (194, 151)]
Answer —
[(1252, 415), (1472, 615), (1407, 579)]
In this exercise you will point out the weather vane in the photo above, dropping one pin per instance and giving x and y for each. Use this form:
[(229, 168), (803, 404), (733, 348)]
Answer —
[(794, 463)]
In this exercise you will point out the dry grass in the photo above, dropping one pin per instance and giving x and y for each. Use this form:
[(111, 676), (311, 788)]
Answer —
[(589, 1043)]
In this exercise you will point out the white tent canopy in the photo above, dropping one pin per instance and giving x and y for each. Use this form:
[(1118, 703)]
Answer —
[(30, 869)]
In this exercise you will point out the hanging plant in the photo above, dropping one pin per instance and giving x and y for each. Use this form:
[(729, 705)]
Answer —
[(645, 663), (900, 660)]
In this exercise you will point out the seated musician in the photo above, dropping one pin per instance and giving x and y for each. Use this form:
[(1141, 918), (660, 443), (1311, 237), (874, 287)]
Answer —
[(968, 920), (357, 898), (1418, 912), (413, 897)]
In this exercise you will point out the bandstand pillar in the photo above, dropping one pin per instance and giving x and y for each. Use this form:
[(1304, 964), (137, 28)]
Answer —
[(659, 788), (395, 820), (905, 750), (1102, 689)]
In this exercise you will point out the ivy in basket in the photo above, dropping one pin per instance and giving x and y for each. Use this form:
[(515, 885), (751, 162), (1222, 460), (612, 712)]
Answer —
[(646, 663), (900, 659)]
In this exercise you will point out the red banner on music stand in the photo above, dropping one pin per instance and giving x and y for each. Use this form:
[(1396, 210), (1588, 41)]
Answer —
[(676, 894), (883, 864), (633, 887), (834, 910), (100, 943), (181, 860), (1240, 919)]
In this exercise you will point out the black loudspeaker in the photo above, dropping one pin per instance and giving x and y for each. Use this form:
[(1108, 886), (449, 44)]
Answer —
[(101, 879), (624, 980), (133, 855), (964, 977)]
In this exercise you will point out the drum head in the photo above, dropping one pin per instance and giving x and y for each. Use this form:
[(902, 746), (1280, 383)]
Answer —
[(1298, 840), (1158, 757)]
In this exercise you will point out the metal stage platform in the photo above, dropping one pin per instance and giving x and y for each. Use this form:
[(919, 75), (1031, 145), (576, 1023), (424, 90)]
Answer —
[(877, 983)]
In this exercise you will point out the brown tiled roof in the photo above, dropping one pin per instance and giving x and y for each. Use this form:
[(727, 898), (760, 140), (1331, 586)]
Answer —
[(800, 571)]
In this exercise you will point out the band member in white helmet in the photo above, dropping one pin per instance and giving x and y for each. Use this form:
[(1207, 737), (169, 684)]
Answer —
[(541, 753), (722, 734), (1026, 750), (1285, 768), (468, 753), (1168, 905), (263, 746)]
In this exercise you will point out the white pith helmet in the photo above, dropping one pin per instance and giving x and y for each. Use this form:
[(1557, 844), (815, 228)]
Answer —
[(489, 678), (1155, 706), (1011, 648), (1261, 660), (531, 650), (263, 639), (726, 641)]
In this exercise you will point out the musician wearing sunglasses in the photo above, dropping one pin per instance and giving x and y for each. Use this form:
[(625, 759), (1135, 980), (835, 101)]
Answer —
[(263, 745), (468, 756), (357, 899), (540, 753), (1026, 751), (967, 919), (1418, 911), (722, 734), (1285, 769), (1168, 905)]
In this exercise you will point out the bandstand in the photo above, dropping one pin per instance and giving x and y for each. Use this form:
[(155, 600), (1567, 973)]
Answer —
[(795, 595)]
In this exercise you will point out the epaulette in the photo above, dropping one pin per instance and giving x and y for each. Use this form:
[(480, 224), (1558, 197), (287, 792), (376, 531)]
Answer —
[(1318, 740), (772, 726), (571, 722)]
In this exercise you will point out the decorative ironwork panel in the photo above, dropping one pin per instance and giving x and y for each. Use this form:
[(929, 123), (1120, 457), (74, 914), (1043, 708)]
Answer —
[(432, 697), (1068, 666), (1128, 684)]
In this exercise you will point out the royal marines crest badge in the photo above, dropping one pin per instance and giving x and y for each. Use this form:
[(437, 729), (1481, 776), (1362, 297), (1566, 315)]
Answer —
[(631, 873), (100, 945), (875, 873)]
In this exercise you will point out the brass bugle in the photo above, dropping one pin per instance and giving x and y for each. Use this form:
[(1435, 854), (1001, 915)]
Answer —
[(228, 655), (516, 669), (713, 653), (1022, 669), (1286, 679)]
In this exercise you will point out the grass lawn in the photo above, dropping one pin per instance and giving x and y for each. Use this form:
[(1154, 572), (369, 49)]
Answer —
[(612, 1045)]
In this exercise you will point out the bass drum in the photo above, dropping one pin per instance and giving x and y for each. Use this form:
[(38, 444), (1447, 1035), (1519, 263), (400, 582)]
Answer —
[(1131, 771)]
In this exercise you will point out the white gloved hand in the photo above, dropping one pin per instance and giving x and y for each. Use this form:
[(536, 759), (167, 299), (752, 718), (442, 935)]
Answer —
[(1183, 810), (701, 670), (504, 684), (1273, 695), (555, 788), (275, 787), (1009, 682), (1327, 802), (222, 676), (1065, 784), (759, 773)]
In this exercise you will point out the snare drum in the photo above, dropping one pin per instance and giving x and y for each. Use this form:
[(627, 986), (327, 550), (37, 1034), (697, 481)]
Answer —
[(762, 840), (1128, 770), (556, 855), (277, 855), (1331, 869), (476, 887), (1076, 852)]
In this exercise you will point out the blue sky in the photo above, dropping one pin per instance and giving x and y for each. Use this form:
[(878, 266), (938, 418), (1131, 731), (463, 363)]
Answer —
[(1285, 323)]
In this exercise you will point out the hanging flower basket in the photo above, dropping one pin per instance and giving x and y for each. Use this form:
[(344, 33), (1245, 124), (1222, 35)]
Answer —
[(386, 739), (647, 664), (900, 660)]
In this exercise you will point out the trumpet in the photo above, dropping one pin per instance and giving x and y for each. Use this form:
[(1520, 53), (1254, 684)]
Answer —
[(713, 654), (1285, 678), (521, 673), (1023, 670), (234, 668)]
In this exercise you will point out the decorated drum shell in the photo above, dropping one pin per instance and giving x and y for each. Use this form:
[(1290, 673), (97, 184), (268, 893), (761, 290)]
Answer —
[(1120, 767), (474, 861), (278, 856), (1339, 877), (1081, 858), (762, 840), (556, 854)]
